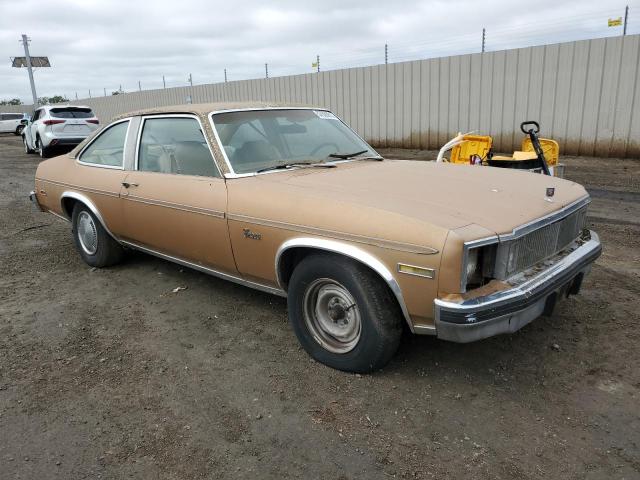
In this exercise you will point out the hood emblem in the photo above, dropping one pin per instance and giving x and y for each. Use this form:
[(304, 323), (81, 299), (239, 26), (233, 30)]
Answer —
[(551, 191)]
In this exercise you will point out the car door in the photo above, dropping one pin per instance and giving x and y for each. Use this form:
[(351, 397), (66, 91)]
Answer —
[(33, 127), (101, 170), (4, 124), (175, 199)]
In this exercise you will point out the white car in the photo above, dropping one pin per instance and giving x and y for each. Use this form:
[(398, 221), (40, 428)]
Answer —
[(58, 125), (12, 122)]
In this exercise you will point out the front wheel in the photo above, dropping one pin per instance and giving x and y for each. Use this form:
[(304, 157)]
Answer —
[(95, 245), (343, 314)]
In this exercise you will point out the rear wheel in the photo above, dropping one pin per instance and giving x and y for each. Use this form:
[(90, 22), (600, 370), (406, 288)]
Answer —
[(42, 150), (27, 149), (343, 314), (95, 245), (19, 129)]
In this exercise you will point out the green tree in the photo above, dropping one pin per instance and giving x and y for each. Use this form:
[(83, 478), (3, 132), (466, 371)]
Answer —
[(51, 100), (58, 99), (13, 101)]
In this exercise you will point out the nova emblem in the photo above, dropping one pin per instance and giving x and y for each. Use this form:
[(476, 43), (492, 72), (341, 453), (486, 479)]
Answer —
[(252, 235), (551, 191)]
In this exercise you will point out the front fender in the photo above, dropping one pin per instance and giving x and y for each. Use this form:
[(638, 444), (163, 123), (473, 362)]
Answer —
[(350, 251)]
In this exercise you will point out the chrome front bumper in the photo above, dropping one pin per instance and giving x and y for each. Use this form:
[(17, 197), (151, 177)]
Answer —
[(510, 310)]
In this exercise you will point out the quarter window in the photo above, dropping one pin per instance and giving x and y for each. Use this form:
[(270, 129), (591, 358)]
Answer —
[(175, 145), (108, 148)]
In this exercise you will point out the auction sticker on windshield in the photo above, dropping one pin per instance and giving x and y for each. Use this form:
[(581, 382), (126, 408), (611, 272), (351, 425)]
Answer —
[(325, 115)]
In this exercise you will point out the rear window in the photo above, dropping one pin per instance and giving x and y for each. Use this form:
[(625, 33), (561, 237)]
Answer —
[(71, 112), (11, 116)]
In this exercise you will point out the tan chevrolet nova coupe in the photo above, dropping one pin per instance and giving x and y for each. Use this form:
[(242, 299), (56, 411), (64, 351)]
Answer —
[(291, 201)]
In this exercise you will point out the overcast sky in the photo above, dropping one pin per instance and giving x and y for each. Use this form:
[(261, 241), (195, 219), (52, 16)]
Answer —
[(107, 43)]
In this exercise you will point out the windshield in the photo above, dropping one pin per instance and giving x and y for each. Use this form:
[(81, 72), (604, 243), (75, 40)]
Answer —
[(259, 139)]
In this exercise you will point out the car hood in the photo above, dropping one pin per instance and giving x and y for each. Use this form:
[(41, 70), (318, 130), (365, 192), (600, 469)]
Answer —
[(445, 195), (414, 203)]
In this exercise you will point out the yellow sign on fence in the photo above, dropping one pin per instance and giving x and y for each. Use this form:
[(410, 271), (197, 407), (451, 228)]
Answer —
[(615, 22)]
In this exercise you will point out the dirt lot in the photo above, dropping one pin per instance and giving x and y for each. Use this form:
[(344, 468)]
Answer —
[(108, 374)]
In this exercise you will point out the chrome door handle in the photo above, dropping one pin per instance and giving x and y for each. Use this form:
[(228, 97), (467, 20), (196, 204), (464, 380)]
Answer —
[(127, 184)]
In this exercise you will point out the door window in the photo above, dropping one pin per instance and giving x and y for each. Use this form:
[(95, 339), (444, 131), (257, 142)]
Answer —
[(10, 116), (108, 148), (175, 145)]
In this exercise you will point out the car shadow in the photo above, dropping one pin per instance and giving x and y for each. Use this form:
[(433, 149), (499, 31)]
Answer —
[(417, 355)]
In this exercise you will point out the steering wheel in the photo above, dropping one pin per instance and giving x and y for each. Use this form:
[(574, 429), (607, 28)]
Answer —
[(322, 145)]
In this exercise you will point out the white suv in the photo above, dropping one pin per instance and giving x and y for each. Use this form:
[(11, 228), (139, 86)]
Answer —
[(58, 125), (12, 122)]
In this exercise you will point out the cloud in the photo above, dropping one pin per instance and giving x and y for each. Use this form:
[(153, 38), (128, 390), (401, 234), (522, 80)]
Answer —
[(96, 45)]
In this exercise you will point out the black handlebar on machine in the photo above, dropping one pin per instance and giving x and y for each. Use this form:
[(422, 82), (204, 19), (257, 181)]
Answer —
[(535, 142), (529, 122)]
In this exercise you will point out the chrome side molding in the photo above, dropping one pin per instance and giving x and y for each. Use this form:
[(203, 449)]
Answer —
[(210, 271)]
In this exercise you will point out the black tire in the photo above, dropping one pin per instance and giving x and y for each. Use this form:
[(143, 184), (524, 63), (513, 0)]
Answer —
[(43, 151), (378, 311), (105, 251), (26, 146), (18, 130)]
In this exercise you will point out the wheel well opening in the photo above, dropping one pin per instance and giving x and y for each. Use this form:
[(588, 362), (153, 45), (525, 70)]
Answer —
[(293, 256), (288, 262), (68, 204)]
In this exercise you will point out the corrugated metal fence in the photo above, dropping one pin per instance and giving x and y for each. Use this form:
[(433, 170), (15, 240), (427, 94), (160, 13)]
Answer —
[(584, 94)]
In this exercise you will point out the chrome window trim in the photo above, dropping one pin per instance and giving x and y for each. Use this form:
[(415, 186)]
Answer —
[(350, 251), (102, 132), (144, 118), (233, 174), (518, 232)]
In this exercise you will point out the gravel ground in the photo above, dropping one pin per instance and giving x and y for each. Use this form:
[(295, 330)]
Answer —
[(108, 374)]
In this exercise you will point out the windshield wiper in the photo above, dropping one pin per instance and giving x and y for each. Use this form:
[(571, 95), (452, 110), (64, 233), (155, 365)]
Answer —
[(284, 166), (347, 156)]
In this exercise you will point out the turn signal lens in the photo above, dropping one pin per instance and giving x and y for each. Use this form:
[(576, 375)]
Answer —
[(419, 271)]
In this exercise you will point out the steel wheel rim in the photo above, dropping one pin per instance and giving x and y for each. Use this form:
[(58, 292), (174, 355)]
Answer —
[(87, 233), (332, 316)]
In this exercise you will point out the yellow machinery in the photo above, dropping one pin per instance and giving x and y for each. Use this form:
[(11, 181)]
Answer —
[(536, 154)]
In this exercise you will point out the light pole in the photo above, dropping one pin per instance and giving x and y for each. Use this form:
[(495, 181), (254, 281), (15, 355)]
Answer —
[(25, 42)]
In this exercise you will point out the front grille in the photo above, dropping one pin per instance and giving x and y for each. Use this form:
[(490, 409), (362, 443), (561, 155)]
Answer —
[(516, 255)]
